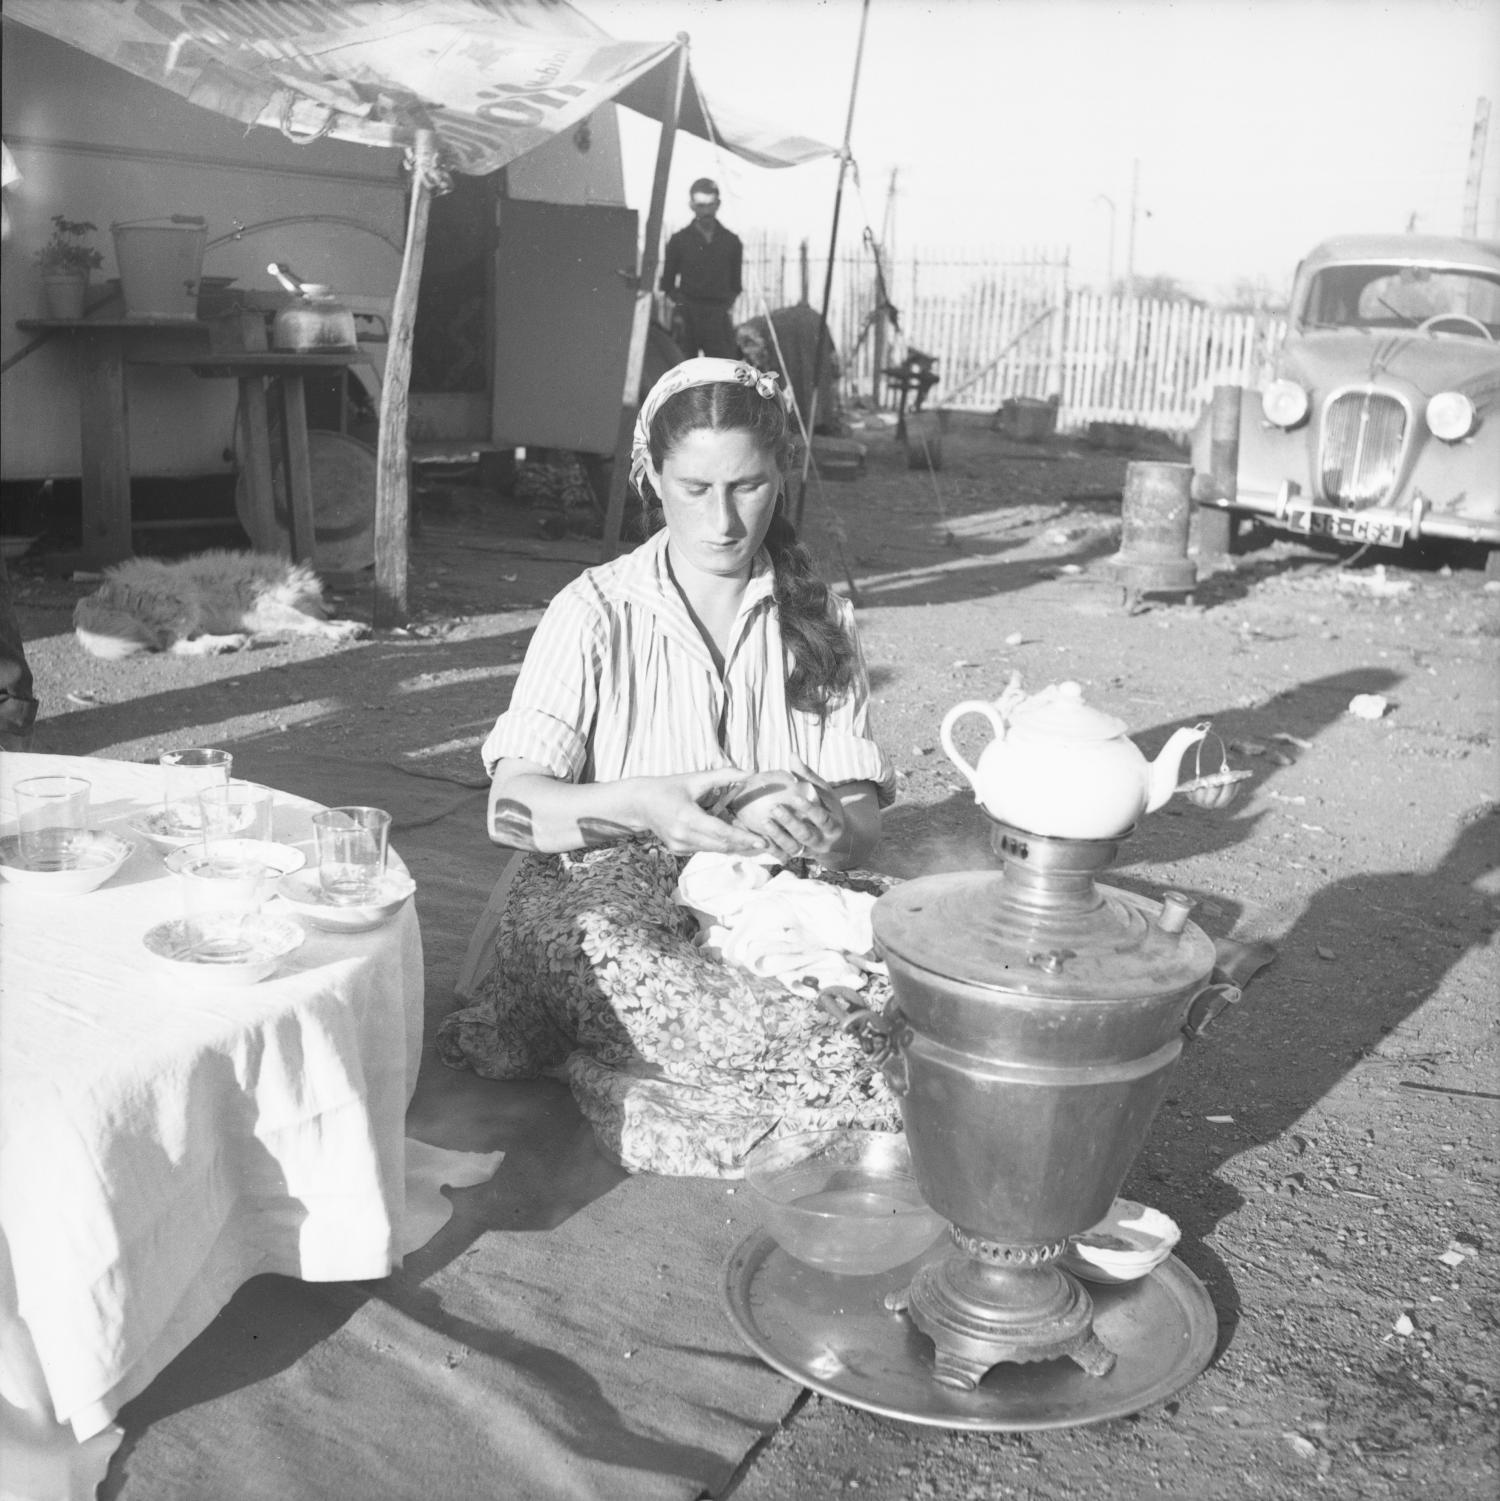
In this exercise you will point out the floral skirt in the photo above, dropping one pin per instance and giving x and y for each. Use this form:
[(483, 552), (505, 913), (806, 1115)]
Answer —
[(680, 1063)]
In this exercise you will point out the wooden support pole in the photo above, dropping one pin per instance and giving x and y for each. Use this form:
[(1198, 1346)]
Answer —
[(105, 445), (393, 480), (833, 244), (630, 403)]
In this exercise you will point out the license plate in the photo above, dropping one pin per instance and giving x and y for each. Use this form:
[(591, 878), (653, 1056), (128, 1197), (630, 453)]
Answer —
[(1346, 526)]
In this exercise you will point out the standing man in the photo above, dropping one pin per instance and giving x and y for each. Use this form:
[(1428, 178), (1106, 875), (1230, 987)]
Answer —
[(701, 274)]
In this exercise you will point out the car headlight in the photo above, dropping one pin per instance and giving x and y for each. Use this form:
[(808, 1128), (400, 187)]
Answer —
[(1450, 416), (1284, 402)]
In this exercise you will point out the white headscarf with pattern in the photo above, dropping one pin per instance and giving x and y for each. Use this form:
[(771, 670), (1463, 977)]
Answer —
[(701, 371)]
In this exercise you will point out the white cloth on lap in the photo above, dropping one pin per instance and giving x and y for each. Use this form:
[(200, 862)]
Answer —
[(798, 931)]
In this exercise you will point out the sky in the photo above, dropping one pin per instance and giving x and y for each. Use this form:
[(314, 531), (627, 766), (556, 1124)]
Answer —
[(1242, 131)]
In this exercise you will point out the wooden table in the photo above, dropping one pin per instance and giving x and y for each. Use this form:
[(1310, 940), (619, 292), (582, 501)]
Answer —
[(272, 400)]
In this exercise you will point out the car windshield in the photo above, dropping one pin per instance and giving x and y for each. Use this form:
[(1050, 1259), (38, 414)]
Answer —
[(1385, 297)]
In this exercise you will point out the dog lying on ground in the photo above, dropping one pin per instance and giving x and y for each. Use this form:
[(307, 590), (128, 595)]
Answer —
[(212, 602)]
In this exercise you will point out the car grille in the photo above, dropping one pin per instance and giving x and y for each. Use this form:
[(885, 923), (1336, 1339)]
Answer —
[(1362, 436)]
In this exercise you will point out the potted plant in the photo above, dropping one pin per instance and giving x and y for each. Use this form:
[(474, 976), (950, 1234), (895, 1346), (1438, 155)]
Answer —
[(66, 261)]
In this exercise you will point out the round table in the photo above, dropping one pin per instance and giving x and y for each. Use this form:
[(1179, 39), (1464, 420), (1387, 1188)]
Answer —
[(160, 1143)]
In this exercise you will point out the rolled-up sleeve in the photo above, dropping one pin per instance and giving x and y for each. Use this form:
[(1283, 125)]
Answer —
[(841, 748), (552, 711)]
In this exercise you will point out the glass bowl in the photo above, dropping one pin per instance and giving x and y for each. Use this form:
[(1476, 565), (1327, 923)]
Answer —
[(842, 1201)]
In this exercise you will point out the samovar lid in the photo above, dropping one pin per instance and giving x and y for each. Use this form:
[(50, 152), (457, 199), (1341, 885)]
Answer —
[(978, 928)]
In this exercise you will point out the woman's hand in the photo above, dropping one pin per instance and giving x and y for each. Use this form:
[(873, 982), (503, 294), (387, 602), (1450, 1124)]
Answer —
[(673, 809), (794, 812)]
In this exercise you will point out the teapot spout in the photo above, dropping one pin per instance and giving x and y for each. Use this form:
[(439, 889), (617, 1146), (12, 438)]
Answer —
[(1168, 764)]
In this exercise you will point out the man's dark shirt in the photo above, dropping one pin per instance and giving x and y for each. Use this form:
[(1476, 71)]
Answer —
[(700, 270)]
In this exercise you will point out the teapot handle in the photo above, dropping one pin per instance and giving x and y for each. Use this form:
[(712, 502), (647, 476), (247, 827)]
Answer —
[(951, 718)]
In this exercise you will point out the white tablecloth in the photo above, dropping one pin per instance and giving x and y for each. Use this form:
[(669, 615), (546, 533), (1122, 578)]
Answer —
[(160, 1145)]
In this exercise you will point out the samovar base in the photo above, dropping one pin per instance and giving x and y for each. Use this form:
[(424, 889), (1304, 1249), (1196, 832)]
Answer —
[(982, 1305)]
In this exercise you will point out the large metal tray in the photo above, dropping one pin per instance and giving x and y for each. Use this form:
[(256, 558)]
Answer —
[(835, 1335)]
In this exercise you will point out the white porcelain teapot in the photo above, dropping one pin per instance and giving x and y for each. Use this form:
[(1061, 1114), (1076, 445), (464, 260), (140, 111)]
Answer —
[(1058, 767)]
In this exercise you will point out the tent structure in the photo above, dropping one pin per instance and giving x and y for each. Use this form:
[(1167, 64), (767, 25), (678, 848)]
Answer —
[(459, 85)]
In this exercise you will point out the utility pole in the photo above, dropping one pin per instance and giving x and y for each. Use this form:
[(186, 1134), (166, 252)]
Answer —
[(1135, 208), (1109, 266), (1476, 169)]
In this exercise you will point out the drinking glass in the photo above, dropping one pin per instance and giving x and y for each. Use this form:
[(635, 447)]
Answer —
[(53, 814), (218, 886), (235, 810), (185, 773), (351, 853)]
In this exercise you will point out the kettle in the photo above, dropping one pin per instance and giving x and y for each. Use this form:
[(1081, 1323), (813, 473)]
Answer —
[(316, 322), (1061, 768)]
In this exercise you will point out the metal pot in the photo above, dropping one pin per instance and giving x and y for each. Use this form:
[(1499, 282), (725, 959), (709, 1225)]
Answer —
[(316, 322)]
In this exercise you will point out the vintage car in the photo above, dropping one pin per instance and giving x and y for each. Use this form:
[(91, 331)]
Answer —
[(1378, 420)]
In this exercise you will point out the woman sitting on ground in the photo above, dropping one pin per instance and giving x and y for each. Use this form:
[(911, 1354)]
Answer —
[(706, 692)]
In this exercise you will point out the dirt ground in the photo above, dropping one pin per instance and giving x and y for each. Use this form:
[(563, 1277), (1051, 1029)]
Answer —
[(1329, 1147)]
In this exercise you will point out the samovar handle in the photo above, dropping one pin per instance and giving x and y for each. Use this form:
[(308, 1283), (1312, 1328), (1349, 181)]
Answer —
[(1235, 965), (875, 1032)]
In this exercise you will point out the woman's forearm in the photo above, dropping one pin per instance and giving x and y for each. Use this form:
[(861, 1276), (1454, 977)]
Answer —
[(532, 810)]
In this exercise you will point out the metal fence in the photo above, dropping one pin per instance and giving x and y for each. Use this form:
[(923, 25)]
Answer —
[(1002, 328)]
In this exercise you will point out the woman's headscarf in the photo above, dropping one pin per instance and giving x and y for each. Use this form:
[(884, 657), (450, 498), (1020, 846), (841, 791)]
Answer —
[(702, 371)]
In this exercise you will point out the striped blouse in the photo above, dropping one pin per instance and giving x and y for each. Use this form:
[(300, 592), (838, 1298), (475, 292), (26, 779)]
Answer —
[(617, 682)]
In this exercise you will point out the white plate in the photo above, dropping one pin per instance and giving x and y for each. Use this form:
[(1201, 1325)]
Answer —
[(302, 892), (154, 827), (100, 856), (1130, 1242), (227, 950)]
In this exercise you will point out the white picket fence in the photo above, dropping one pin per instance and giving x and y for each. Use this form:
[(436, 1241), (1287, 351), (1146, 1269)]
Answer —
[(1014, 327)]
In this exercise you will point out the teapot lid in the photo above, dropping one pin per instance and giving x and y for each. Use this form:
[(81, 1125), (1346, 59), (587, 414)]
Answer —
[(1059, 712)]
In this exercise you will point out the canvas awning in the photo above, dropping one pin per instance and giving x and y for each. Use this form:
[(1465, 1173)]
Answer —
[(492, 78), (465, 85)]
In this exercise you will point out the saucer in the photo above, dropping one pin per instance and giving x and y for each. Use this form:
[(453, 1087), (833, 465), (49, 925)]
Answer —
[(223, 949), (278, 859), (1128, 1243), (100, 855), (303, 893), (162, 835)]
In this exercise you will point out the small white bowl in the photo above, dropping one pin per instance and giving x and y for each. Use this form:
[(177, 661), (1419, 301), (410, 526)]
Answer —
[(278, 860), (100, 855), (223, 949), (304, 894), (1129, 1243)]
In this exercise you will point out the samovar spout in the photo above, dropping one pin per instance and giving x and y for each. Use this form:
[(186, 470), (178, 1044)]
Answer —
[(1236, 964)]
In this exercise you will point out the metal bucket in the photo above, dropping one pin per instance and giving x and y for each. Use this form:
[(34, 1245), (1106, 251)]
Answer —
[(161, 264)]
